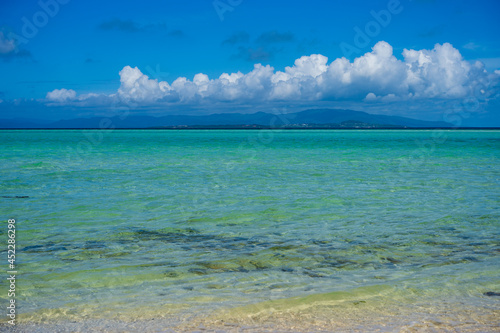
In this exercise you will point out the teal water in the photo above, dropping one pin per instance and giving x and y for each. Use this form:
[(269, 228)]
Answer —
[(147, 223)]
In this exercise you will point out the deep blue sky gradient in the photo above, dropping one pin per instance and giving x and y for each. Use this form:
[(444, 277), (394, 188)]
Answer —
[(86, 44)]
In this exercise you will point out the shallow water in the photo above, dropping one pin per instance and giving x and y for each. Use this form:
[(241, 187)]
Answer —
[(140, 224)]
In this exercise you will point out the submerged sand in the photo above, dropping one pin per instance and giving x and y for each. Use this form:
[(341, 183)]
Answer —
[(365, 309)]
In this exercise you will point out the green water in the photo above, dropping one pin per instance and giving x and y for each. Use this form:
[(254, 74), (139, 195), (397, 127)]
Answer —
[(184, 222)]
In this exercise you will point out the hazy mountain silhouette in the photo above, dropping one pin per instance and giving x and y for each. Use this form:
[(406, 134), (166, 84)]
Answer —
[(323, 118)]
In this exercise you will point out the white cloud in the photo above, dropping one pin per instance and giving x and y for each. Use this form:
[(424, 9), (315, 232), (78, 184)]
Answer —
[(139, 87), (440, 72), (370, 97), (377, 76), (61, 95), (378, 72), (313, 66), (490, 63), (6, 45), (471, 46)]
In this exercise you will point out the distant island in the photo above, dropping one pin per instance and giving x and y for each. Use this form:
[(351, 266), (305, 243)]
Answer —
[(308, 119)]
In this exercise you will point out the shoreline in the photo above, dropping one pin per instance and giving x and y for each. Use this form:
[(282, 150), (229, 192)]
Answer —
[(374, 309), (427, 321)]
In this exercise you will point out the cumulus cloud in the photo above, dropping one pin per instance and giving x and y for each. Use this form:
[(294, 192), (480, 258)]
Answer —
[(377, 76), (61, 95), (137, 86)]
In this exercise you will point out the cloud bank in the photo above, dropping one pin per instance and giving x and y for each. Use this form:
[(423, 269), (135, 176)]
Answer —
[(376, 76), (61, 95)]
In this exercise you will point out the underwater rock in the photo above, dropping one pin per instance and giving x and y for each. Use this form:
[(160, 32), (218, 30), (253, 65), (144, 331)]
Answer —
[(491, 293), (198, 271), (287, 269)]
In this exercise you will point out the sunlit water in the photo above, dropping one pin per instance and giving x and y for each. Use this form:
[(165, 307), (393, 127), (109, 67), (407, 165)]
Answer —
[(131, 225)]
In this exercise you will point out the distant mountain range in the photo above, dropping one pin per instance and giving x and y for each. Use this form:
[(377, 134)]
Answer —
[(313, 118)]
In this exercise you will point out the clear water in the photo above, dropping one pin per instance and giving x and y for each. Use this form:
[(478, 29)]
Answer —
[(141, 224)]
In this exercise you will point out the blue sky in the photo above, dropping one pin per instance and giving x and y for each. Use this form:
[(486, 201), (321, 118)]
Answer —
[(419, 58)]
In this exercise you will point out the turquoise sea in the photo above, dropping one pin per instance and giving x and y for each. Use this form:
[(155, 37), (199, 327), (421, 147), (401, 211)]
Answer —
[(252, 230)]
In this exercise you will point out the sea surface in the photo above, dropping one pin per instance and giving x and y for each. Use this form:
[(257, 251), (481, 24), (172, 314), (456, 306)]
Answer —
[(252, 230)]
